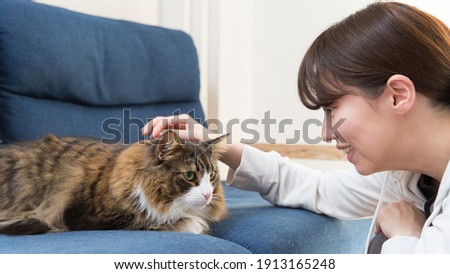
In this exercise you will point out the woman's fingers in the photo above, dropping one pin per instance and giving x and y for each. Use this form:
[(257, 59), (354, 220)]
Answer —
[(161, 123)]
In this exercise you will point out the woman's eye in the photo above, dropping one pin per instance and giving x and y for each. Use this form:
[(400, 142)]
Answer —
[(189, 175)]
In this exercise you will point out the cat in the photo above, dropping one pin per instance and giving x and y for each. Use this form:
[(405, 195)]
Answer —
[(60, 184)]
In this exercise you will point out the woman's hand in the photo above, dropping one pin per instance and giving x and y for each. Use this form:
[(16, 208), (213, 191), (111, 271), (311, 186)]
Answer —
[(188, 128), (184, 125), (400, 219)]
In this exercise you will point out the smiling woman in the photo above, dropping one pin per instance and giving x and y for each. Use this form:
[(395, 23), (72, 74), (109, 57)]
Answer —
[(385, 72)]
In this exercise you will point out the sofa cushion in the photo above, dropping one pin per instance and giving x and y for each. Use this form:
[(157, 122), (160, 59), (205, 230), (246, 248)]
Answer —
[(117, 242), (28, 118), (54, 55), (256, 225)]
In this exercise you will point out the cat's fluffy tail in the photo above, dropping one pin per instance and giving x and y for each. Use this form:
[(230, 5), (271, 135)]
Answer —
[(29, 226)]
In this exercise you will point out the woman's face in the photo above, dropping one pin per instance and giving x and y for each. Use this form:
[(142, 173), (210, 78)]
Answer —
[(361, 130)]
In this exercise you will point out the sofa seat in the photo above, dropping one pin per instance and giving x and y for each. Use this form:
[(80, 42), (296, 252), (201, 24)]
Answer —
[(72, 74), (253, 226)]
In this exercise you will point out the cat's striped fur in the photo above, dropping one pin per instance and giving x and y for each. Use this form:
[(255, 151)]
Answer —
[(59, 184)]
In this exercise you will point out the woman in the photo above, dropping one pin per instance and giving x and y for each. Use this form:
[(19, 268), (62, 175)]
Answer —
[(386, 71)]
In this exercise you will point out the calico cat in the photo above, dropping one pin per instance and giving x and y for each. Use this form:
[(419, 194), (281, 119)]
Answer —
[(60, 184)]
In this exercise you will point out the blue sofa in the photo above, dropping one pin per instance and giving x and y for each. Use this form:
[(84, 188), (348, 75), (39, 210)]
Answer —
[(73, 74)]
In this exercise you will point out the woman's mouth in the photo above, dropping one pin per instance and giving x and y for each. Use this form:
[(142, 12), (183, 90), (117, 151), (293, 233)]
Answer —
[(348, 151)]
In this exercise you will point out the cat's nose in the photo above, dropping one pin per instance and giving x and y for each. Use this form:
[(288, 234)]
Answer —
[(206, 195)]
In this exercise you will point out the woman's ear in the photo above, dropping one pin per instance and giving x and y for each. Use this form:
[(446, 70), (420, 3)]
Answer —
[(402, 93)]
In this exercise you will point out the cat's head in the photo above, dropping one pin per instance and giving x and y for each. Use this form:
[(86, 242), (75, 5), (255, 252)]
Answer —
[(185, 172)]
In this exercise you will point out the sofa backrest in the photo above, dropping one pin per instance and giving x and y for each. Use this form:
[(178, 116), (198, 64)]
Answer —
[(73, 74)]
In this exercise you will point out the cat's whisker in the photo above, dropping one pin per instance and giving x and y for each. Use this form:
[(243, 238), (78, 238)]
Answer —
[(179, 208)]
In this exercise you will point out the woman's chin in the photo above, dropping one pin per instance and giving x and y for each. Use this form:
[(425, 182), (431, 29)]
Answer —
[(365, 169)]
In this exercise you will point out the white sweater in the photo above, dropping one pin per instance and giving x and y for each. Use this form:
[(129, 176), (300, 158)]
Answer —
[(345, 194)]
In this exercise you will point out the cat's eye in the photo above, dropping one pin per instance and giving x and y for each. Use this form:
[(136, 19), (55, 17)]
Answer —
[(189, 175), (212, 176)]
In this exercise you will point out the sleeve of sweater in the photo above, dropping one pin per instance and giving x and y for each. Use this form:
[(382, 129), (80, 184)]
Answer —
[(342, 194)]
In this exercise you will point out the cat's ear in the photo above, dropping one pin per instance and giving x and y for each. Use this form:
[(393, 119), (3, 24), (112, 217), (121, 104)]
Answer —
[(217, 140), (217, 145), (166, 144)]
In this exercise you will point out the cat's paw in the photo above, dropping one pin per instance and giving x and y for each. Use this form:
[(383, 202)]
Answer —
[(194, 225)]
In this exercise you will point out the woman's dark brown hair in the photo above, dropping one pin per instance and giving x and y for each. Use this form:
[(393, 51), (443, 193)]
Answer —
[(368, 47)]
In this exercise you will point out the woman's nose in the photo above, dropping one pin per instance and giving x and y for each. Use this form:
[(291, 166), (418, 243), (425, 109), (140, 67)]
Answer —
[(327, 131), (327, 134)]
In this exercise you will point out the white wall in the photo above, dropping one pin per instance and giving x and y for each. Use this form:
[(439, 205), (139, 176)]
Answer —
[(249, 50), (282, 33), (258, 71)]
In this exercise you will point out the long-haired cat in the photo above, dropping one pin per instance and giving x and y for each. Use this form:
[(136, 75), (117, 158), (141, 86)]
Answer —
[(60, 184)]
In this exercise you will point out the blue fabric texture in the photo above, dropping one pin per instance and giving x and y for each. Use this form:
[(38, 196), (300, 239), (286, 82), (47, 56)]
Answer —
[(26, 118), (261, 228), (118, 242), (69, 64), (72, 74), (57, 54)]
